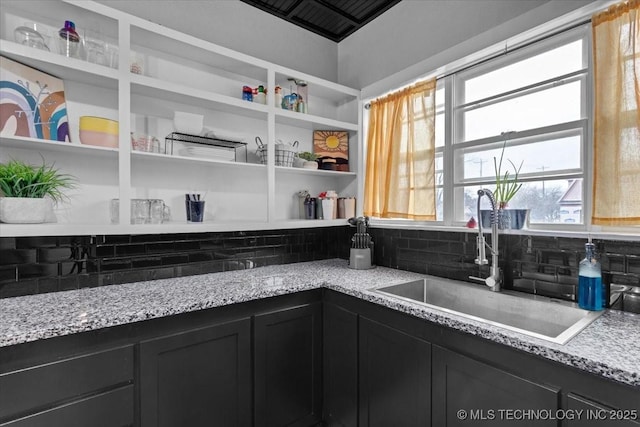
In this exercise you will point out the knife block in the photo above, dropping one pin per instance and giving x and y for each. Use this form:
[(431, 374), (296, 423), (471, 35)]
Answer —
[(361, 258)]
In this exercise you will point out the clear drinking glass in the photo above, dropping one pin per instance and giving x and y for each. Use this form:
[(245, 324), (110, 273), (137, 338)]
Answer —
[(140, 213), (114, 211), (31, 34), (156, 209), (94, 47)]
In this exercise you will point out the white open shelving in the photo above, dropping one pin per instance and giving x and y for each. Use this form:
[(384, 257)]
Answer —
[(181, 73)]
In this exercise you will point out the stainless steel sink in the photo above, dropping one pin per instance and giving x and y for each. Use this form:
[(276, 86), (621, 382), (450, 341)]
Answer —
[(541, 317)]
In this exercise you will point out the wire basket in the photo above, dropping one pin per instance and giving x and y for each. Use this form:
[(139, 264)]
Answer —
[(285, 153)]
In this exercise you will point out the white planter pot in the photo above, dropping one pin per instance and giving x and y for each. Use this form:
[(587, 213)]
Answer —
[(23, 210), (310, 165), (298, 162)]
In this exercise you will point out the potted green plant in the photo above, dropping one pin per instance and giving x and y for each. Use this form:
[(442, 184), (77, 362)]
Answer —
[(507, 186), (309, 160), (26, 191)]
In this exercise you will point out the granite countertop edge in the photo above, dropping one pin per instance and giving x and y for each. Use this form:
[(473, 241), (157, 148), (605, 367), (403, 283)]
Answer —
[(36, 317)]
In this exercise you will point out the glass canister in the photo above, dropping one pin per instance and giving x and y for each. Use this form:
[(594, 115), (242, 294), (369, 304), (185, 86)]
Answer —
[(303, 93)]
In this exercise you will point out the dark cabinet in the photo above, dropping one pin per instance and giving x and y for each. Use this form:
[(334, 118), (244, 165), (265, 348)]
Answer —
[(109, 409), (93, 389), (588, 413), (466, 391), (288, 370), (340, 366), (395, 377), (196, 378)]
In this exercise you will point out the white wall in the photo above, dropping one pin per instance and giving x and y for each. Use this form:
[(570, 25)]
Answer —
[(414, 31), (244, 28)]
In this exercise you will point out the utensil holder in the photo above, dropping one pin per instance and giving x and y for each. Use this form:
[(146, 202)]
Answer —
[(196, 211), (361, 259)]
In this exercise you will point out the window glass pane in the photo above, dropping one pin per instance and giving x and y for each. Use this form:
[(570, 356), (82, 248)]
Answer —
[(545, 66), (440, 130), (439, 204), (550, 202), (551, 106), (534, 157)]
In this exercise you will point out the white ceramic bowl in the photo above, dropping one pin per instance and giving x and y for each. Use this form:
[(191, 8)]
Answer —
[(188, 123)]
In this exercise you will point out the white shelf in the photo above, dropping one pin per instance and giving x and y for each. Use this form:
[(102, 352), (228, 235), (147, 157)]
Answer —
[(315, 172), (58, 229), (54, 146), (309, 121), (141, 155), (182, 73), (174, 92), (61, 66)]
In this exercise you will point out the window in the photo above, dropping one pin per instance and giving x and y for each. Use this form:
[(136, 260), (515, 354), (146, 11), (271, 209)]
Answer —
[(537, 100)]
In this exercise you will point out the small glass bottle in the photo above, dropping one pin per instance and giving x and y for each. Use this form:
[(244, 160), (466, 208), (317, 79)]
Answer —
[(69, 40), (590, 289)]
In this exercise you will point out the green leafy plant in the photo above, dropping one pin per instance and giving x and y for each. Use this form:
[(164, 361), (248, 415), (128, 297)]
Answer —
[(310, 157), (19, 179), (506, 183)]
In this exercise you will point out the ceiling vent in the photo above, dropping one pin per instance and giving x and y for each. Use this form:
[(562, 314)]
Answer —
[(333, 19)]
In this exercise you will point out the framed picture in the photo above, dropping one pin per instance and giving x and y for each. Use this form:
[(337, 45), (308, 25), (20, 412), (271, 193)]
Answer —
[(332, 144), (32, 103)]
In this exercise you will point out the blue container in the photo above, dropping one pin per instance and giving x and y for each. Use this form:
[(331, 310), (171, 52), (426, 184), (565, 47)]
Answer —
[(508, 219), (590, 290)]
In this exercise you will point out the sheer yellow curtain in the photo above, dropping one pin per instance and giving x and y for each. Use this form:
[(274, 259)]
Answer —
[(616, 53), (399, 178)]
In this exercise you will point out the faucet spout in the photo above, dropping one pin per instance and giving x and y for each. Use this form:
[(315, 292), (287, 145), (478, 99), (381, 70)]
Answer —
[(494, 281)]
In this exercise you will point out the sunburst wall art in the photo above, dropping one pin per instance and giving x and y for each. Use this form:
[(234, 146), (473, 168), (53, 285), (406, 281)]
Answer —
[(32, 103), (332, 144)]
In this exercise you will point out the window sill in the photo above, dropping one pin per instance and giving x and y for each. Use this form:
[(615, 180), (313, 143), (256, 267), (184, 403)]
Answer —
[(579, 232)]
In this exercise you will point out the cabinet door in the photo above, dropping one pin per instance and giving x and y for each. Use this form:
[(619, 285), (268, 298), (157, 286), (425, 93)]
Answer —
[(591, 414), (288, 370), (340, 362), (466, 392), (395, 377), (197, 378)]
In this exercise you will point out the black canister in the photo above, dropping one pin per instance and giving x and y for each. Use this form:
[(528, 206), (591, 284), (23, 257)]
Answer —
[(310, 208)]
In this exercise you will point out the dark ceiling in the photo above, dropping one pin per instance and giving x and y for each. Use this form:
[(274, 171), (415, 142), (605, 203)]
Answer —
[(333, 19)]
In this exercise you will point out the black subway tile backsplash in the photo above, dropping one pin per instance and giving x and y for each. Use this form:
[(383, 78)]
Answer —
[(30, 265), (535, 264)]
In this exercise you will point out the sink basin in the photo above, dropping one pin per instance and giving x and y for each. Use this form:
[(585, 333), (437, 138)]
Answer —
[(536, 316)]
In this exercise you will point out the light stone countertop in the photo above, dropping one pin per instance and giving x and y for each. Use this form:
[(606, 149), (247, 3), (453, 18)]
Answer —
[(609, 347)]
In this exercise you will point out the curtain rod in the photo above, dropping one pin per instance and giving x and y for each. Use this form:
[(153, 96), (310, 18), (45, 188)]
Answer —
[(505, 52)]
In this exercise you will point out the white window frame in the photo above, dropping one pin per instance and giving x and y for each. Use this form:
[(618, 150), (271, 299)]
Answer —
[(511, 47)]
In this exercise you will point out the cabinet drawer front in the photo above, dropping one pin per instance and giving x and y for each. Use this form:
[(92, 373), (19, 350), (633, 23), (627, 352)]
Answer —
[(111, 409), (32, 389)]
